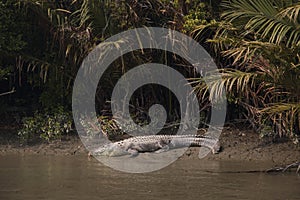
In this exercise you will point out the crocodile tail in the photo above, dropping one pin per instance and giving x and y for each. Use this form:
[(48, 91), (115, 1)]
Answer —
[(216, 148), (212, 144)]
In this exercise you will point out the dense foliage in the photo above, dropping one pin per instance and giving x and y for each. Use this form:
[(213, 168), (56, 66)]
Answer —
[(255, 44), (261, 43), (46, 126)]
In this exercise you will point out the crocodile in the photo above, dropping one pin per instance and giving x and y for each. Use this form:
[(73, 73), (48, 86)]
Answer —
[(155, 143)]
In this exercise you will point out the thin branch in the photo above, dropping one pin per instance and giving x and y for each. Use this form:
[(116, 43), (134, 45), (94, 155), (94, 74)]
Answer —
[(6, 93)]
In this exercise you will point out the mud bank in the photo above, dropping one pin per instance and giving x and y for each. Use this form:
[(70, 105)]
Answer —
[(236, 145)]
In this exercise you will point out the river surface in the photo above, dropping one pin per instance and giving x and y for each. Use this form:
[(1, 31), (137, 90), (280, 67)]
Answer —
[(78, 177)]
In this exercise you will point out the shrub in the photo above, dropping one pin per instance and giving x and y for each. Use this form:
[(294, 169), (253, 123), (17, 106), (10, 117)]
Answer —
[(46, 125)]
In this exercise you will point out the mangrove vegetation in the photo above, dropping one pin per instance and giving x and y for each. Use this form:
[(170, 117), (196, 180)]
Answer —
[(255, 45)]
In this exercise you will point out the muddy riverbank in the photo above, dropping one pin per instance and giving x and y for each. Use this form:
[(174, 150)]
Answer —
[(236, 145)]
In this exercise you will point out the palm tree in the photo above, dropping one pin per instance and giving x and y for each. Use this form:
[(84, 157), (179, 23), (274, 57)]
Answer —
[(261, 41)]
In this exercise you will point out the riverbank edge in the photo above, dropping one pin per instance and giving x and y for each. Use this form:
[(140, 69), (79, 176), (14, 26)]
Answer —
[(237, 145)]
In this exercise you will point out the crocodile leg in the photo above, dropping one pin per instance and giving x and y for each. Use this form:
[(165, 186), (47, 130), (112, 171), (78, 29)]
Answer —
[(163, 149), (133, 152)]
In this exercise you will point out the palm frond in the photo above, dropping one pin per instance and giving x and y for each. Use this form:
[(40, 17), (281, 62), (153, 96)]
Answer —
[(292, 13), (262, 17), (284, 117), (233, 81)]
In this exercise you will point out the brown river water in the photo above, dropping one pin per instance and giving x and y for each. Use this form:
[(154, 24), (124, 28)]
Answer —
[(78, 177)]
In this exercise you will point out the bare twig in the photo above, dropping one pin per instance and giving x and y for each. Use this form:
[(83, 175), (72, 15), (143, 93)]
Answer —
[(284, 169), (6, 93), (297, 164)]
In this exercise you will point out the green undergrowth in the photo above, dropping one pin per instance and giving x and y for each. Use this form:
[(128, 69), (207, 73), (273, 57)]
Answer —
[(46, 125)]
